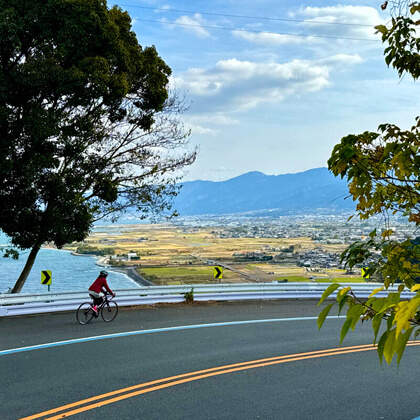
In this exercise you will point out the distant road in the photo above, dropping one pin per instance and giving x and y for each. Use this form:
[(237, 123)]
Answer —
[(133, 274), (172, 362), (242, 273)]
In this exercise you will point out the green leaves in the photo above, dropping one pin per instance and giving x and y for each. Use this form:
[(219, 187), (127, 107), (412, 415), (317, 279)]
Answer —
[(383, 172), (330, 289), (402, 343), (381, 345), (390, 345), (345, 328), (382, 29), (376, 323), (353, 316), (324, 313), (354, 313), (398, 316)]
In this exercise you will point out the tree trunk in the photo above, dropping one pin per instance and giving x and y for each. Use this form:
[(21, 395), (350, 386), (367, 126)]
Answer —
[(26, 270)]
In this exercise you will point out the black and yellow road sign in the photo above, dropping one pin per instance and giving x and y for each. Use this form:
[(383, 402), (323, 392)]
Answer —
[(46, 277), (218, 273), (365, 273)]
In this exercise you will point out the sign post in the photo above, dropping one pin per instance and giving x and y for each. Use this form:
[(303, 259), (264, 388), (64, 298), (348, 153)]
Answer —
[(46, 278)]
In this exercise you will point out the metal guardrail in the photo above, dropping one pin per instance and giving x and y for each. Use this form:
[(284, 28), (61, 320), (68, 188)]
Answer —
[(18, 304)]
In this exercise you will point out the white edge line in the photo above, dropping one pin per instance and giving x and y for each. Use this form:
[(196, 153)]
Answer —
[(157, 330)]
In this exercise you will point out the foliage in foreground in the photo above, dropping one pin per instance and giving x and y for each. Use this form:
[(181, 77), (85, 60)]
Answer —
[(383, 170), (400, 317)]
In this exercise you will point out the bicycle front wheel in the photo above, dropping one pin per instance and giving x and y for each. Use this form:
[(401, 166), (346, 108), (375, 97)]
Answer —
[(84, 313), (109, 311)]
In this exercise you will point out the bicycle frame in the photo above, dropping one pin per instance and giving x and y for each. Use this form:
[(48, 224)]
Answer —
[(104, 301), (85, 312)]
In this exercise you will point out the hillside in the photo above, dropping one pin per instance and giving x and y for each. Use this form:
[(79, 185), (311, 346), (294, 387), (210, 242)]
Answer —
[(259, 193)]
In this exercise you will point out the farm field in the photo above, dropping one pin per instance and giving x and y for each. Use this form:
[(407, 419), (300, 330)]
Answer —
[(187, 275), (170, 254)]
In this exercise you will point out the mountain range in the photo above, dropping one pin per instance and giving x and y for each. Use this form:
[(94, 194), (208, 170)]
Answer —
[(262, 195)]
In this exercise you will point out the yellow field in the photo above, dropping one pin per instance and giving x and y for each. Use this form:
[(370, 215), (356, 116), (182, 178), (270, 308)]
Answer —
[(186, 275), (168, 247)]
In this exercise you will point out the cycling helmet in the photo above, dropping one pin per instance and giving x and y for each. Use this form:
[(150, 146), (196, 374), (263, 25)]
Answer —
[(103, 273)]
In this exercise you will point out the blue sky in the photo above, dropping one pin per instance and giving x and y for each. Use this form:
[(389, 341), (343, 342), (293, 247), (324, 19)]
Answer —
[(264, 100)]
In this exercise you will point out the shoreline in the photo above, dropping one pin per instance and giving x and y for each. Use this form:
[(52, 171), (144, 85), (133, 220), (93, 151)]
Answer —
[(69, 274), (129, 271), (132, 273)]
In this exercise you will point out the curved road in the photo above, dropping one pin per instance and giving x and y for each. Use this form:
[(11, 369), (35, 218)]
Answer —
[(204, 361)]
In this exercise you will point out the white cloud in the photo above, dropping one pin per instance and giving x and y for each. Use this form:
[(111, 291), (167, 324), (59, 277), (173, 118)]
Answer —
[(340, 14), (351, 22), (242, 85), (214, 119), (202, 124), (222, 169), (162, 9), (265, 38), (344, 21), (199, 130), (342, 60), (194, 25)]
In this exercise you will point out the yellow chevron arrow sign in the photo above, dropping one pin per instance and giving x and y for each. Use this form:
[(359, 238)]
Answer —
[(218, 273), (46, 277)]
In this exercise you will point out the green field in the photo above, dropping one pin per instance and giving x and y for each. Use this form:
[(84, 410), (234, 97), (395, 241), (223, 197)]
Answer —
[(184, 275), (293, 278)]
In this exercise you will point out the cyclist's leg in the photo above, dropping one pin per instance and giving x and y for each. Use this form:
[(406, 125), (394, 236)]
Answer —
[(97, 300)]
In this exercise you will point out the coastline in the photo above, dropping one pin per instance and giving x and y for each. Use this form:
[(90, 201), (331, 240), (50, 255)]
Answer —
[(132, 273), (129, 271), (69, 273)]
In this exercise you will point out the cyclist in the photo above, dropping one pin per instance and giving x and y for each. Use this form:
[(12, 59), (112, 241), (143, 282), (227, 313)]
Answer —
[(98, 286)]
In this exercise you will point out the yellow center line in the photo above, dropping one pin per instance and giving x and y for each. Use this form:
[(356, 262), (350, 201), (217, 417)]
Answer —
[(193, 376)]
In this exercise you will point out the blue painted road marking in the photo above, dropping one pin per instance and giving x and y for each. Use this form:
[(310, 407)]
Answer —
[(157, 330)]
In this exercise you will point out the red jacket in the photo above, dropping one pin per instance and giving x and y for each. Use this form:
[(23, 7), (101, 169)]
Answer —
[(99, 285)]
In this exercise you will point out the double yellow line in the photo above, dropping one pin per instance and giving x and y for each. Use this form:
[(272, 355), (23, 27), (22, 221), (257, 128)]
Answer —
[(132, 391)]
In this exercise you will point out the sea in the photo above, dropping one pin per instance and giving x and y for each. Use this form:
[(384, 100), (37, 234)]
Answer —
[(70, 273)]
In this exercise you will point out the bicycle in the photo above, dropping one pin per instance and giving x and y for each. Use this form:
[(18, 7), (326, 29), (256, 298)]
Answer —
[(108, 309)]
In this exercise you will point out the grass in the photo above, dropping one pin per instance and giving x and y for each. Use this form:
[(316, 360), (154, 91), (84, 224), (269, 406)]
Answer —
[(293, 279), (178, 271)]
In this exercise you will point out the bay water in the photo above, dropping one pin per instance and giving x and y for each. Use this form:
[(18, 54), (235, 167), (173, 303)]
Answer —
[(70, 273)]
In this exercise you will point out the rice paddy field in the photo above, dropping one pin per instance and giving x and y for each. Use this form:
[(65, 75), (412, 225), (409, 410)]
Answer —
[(177, 255)]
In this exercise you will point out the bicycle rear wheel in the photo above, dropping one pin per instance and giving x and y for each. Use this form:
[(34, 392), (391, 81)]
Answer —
[(84, 313), (109, 311)]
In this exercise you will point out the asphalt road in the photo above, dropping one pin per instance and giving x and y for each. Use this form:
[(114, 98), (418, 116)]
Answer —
[(171, 373)]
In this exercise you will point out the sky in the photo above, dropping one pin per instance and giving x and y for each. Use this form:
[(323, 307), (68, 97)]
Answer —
[(272, 86)]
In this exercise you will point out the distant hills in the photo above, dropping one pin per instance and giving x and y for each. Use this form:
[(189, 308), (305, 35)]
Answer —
[(311, 191)]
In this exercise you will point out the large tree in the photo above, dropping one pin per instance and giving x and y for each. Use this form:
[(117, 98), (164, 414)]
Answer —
[(88, 128), (383, 170)]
